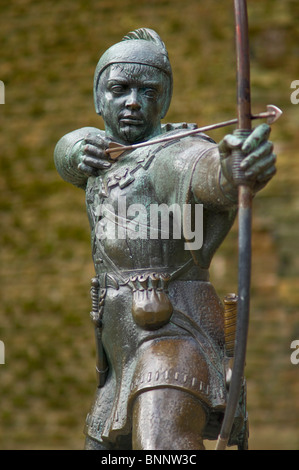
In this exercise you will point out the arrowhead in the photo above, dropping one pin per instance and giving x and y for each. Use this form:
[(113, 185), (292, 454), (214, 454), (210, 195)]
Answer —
[(274, 112)]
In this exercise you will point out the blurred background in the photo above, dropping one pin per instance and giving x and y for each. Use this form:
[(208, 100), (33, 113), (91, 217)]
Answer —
[(48, 53)]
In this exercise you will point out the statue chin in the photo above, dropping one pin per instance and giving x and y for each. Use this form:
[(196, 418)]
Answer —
[(132, 134)]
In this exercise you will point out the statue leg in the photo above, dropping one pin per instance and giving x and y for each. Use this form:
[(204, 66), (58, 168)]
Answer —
[(168, 419)]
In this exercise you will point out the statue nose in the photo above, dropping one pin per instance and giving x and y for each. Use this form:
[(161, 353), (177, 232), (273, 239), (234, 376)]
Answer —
[(133, 101)]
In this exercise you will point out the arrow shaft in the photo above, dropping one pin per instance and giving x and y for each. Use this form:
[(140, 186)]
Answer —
[(271, 115)]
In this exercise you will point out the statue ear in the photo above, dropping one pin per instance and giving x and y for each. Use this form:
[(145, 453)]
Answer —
[(168, 96), (97, 103), (166, 106)]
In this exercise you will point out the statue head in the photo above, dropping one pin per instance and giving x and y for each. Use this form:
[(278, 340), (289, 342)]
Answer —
[(140, 60)]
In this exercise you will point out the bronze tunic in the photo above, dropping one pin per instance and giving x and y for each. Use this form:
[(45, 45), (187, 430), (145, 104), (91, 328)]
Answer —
[(186, 352)]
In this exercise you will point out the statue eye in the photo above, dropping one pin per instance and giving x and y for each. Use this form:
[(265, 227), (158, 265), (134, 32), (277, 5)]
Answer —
[(118, 89), (150, 93)]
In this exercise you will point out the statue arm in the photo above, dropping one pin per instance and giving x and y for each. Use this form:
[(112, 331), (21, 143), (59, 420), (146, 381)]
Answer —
[(194, 172), (67, 156), (209, 185), (214, 177)]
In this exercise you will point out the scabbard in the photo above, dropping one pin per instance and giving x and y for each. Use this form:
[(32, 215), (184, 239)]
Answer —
[(96, 313)]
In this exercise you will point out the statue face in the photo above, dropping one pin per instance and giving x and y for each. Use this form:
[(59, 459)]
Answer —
[(131, 99)]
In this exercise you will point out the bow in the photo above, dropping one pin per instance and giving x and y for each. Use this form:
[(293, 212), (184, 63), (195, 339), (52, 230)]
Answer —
[(245, 217)]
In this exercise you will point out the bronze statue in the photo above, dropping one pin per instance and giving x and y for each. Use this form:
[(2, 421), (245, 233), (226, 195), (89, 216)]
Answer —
[(162, 352)]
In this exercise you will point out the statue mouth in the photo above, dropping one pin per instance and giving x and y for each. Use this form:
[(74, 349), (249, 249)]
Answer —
[(131, 121)]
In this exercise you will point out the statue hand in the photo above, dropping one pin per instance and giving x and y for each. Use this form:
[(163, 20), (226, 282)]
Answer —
[(92, 155), (259, 160)]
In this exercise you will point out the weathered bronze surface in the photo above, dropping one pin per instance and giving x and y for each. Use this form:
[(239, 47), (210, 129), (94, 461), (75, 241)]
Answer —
[(159, 324)]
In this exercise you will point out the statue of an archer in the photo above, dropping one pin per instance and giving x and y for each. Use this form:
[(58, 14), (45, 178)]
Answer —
[(162, 354)]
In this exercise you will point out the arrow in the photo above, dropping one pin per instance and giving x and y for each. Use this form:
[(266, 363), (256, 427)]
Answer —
[(272, 114)]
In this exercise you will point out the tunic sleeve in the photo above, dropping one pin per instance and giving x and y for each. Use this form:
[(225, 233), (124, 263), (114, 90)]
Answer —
[(66, 156), (208, 184), (189, 170)]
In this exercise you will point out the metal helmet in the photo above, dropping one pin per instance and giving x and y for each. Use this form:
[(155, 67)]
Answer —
[(142, 46)]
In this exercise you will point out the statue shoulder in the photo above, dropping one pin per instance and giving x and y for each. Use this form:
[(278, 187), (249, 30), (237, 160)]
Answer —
[(71, 138), (175, 161), (182, 127), (180, 146), (172, 126)]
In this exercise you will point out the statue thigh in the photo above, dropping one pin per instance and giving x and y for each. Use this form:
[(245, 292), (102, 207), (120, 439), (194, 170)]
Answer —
[(167, 419)]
